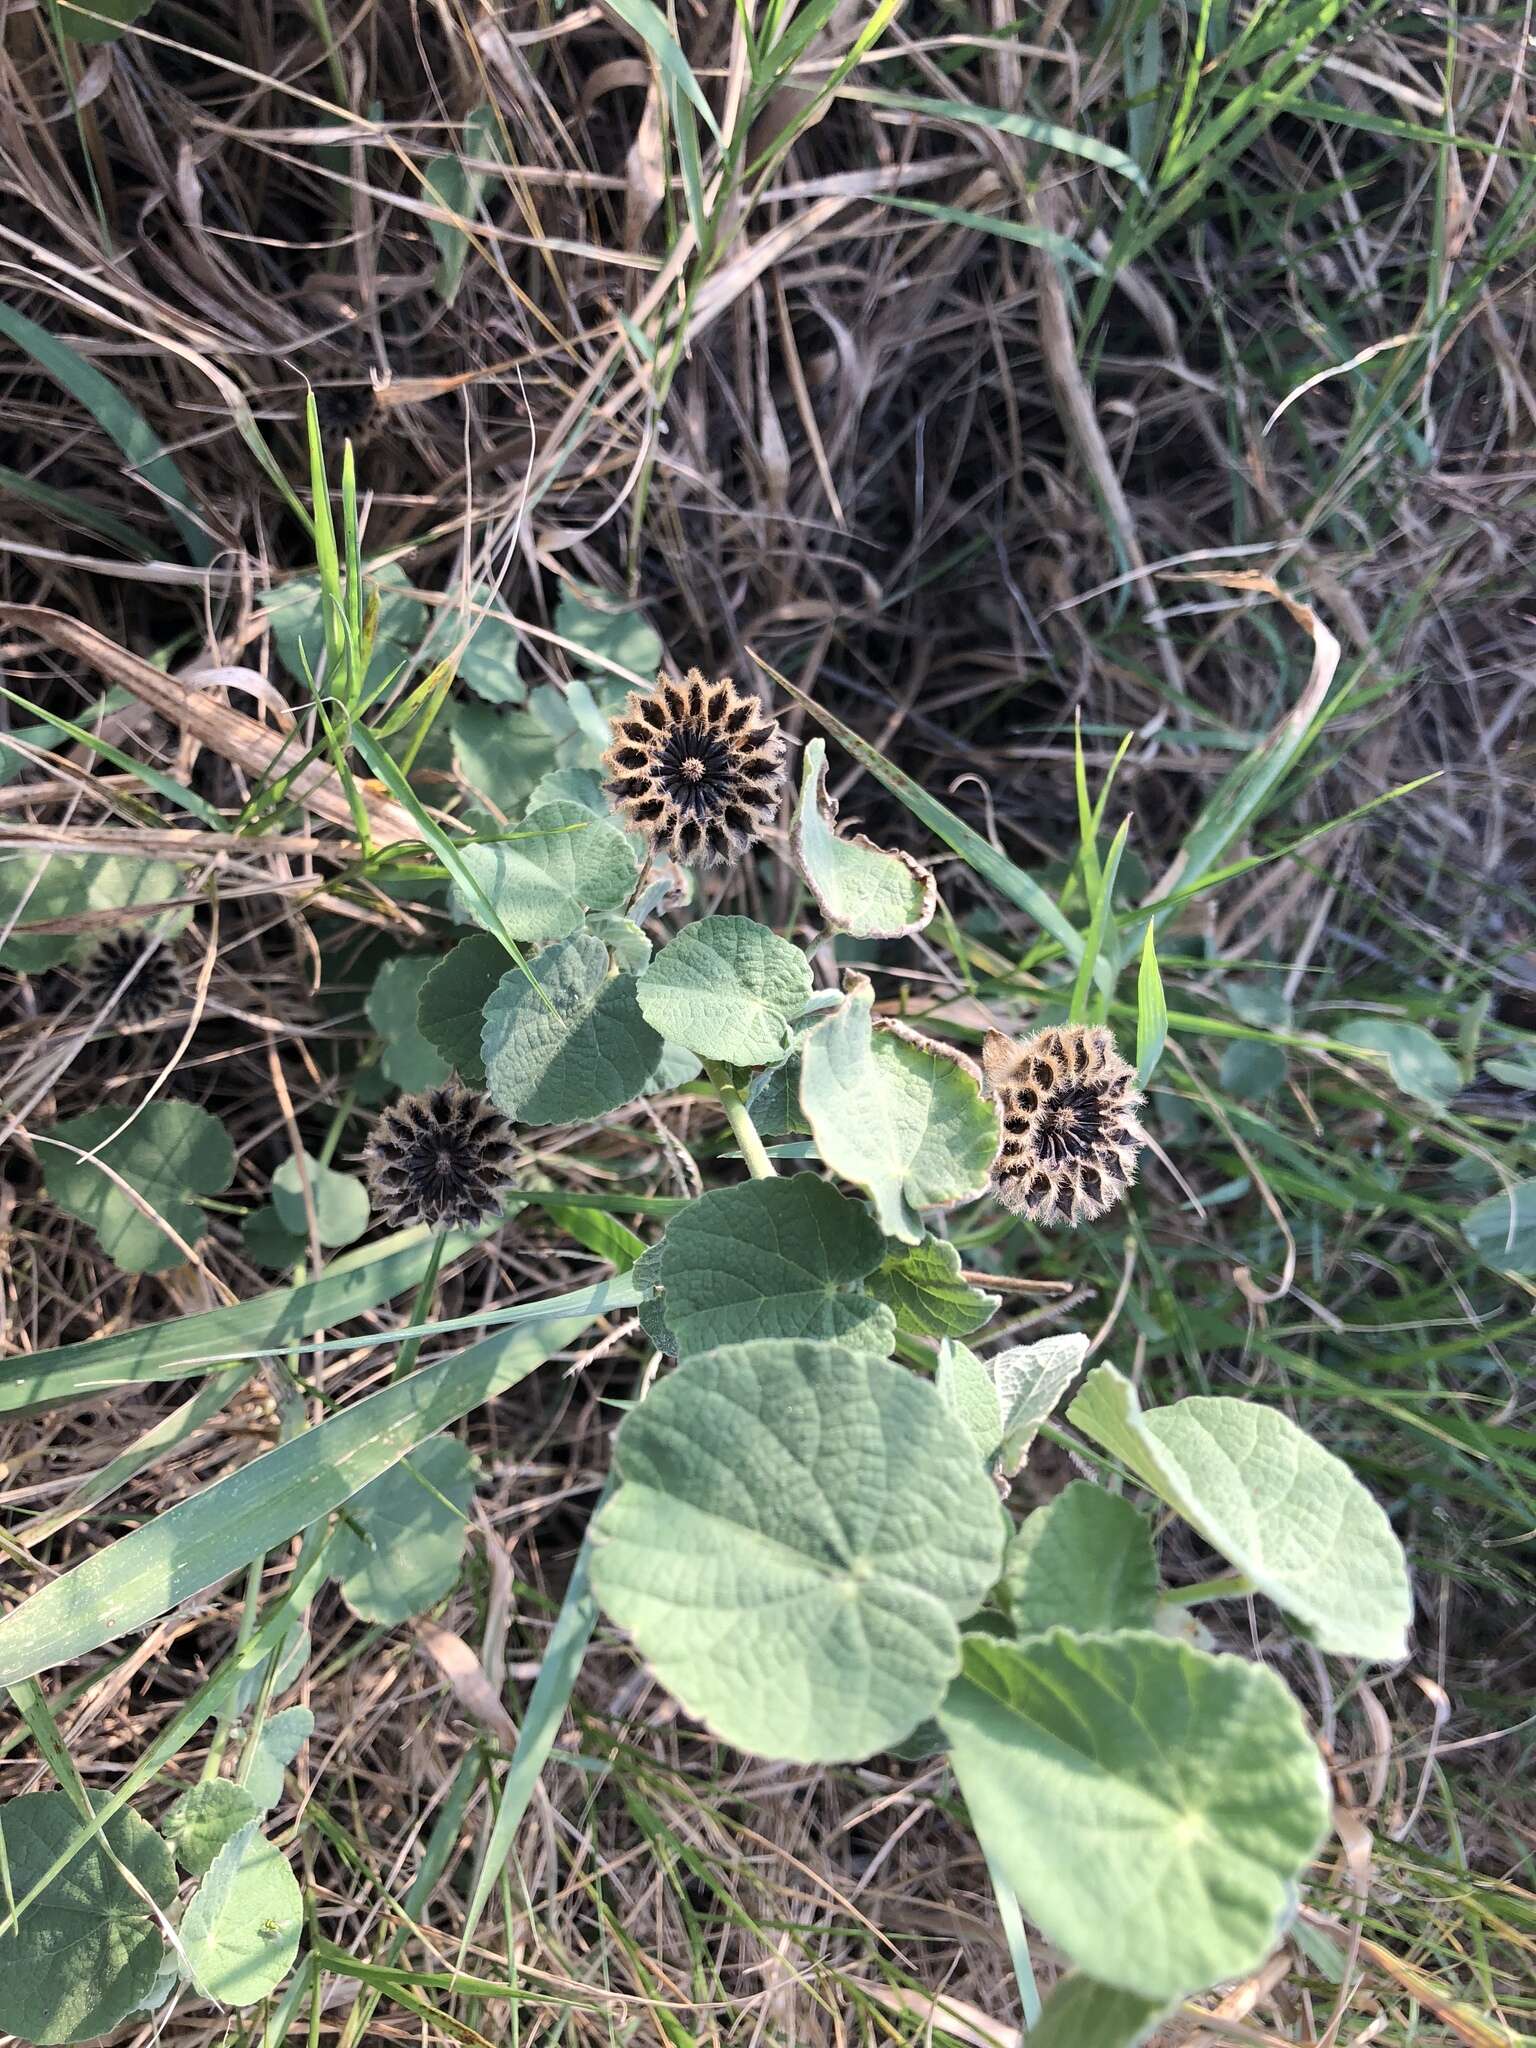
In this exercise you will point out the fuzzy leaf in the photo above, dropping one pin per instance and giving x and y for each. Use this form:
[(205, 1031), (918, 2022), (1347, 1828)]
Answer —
[(35, 888), (488, 665), (1083, 2014), (594, 1054), (340, 1199), (798, 1530), (859, 887), (922, 1285), (282, 1737), (1502, 1229), (450, 1008), (727, 989), (410, 1060), (1419, 1063), (1084, 1561), (772, 1258), (900, 1116), (1152, 1806), (620, 634), (1289, 1514), (1252, 1068), (204, 1818), (86, 1954), (561, 863), (500, 754), (241, 1931), (268, 1243), (1002, 1401), (168, 1152), (398, 1549)]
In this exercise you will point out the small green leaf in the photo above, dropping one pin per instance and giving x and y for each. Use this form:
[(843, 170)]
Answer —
[(203, 1820), (1284, 1511), (241, 1931), (1263, 1004), (296, 612), (1251, 1068), (1002, 1401), (166, 1151), (964, 1385), (1151, 1011), (899, 1115), (457, 188), (773, 1258), (594, 1054), (86, 1953), (727, 989), (646, 1275), (561, 863), (1083, 2014), (450, 1008), (340, 1199), (292, 1656), (1419, 1063), (500, 754), (36, 888), (282, 1737), (1153, 1806), (797, 1533), (1084, 1561), (100, 21), (398, 1550), (1502, 1229), (858, 887), (922, 1284), (618, 636), (269, 1243), (773, 1100), (583, 786), (628, 944), (488, 665), (410, 1060)]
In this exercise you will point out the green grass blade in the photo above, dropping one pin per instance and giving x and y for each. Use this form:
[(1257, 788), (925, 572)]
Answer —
[(204, 1540), (119, 416), (1100, 928), (1151, 1011), (1027, 126), (1061, 246), (174, 792), (76, 512), (650, 24)]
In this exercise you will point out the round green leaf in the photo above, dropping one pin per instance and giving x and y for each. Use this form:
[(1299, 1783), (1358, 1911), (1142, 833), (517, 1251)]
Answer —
[(488, 665), (37, 887), (450, 1009), (203, 1820), (410, 1061), (282, 1737), (922, 1285), (241, 1931), (1084, 1561), (594, 1053), (1004, 1399), (268, 1242), (620, 634), (1419, 1063), (1152, 1806), (500, 754), (1502, 1229), (727, 989), (557, 865), (798, 1531), (898, 1115), (1289, 1514), (341, 1202), (87, 1953), (167, 1151), (1252, 1068), (858, 886), (1083, 2014), (397, 1551), (772, 1258)]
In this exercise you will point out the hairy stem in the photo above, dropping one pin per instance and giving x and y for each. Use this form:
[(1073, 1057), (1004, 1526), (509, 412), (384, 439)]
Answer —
[(759, 1165)]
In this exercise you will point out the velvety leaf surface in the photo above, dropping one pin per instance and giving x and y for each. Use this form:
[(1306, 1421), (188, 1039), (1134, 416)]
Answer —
[(409, 1059), (397, 1552), (727, 989), (450, 1008), (241, 1931), (167, 1151), (596, 1052), (921, 1283), (858, 886), (1083, 1561)]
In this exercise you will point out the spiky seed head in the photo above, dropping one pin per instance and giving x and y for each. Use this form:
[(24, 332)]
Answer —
[(697, 767), (443, 1157), (1070, 1135), (154, 989)]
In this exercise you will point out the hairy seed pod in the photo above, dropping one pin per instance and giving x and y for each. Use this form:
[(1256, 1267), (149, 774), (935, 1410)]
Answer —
[(697, 767), (1070, 1135), (154, 989), (440, 1158)]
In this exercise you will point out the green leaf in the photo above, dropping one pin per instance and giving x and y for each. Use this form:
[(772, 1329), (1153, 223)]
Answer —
[(100, 21), (1085, 1561), (1502, 1229), (1251, 1068), (922, 1284), (458, 189), (561, 863), (340, 1199), (167, 1152), (1027, 126), (1262, 1004), (727, 989), (269, 1243), (773, 1100), (450, 1007), (610, 636), (410, 1060), (646, 1275), (1002, 1401), (1153, 1806), (292, 1656), (1083, 2014), (204, 1818), (773, 1258), (296, 612), (899, 1115), (86, 1953), (963, 1383), (594, 1054), (488, 665), (1419, 1063), (1284, 1511), (630, 947), (858, 887), (1518, 1073), (398, 1550), (1060, 246), (500, 754), (651, 25), (798, 1531), (282, 1737), (1151, 1011), (35, 888), (241, 1931)]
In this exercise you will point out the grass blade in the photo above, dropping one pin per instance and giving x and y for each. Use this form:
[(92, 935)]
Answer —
[(650, 24), (1151, 1011), (1100, 927), (1027, 126), (1061, 246)]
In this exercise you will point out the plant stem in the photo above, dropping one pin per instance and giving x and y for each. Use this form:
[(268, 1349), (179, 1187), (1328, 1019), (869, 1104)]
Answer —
[(1234, 1586), (421, 1307), (759, 1165)]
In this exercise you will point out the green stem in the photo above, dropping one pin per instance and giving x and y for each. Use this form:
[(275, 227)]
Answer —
[(759, 1165), (1233, 1586), (421, 1307)]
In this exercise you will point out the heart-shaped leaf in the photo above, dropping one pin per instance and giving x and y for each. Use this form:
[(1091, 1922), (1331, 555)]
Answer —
[(1419, 1063), (608, 632), (340, 1199), (557, 865), (167, 1152), (899, 1115), (727, 989), (1084, 1561), (397, 1552), (1003, 1400), (1287, 1513), (450, 1008), (86, 1953), (500, 754), (1152, 1806), (923, 1287), (798, 1531), (204, 1818), (858, 887), (772, 1258), (410, 1060), (241, 1932), (576, 1046)]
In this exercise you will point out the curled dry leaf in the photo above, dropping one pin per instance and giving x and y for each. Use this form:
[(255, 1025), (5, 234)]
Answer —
[(861, 888)]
